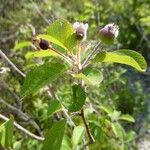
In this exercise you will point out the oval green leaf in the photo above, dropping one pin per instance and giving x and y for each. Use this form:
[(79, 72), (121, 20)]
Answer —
[(128, 57), (66, 143), (79, 98), (91, 76), (127, 118), (6, 133), (77, 136), (53, 40), (41, 53), (63, 31), (107, 109), (118, 130), (41, 76), (22, 45), (54, 136)]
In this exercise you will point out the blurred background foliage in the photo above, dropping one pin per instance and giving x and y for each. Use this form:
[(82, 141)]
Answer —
[(123, 88)]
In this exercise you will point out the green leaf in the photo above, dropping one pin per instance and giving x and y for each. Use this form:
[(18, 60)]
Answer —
[(79, 98), (54, 107), (90, 76), (94, 75), (83, 77), (115, 115), (65, 147), (127, 118), (54, 136), (107, 109), (78, 134), (130, 136), (66, 143), (118, 130), (145, 20), (6, 133), (53, 40), (17, 145), (41, 76), (63, 31), (40, 54), (22, 45), (128, 57)]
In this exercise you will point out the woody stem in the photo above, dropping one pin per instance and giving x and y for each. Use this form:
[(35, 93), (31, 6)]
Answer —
[(61, 54), (91, 139)]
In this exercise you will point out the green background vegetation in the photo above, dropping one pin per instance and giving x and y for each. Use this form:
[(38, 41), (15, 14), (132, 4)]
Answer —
[(123, 88)]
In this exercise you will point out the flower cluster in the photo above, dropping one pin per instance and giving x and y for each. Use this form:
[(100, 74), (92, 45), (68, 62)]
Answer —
[(107, 34)]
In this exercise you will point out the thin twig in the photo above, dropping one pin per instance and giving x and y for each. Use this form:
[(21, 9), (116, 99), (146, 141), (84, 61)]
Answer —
[(22, 115), (27, 132), (91, 138), (11, 63), (61, 54), (32, 29)]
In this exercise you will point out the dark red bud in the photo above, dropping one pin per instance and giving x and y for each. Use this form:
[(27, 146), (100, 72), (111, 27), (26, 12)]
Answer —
[(44, 44)]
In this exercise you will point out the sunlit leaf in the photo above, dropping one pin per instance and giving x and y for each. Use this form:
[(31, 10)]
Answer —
[(107, 109), (66, 143), (22, 45), (6, 133), (127, 57), (63, 31), (78, 134), (65, 147), (94, 75), (17, 145), (53, 40), (54, 136), (41, 53), (118, 130), (145, 20), (90, 76), (83, 77), (127, 118), (115, 115)]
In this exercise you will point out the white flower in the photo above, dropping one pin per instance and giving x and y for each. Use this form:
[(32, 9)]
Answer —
[(80, 29)]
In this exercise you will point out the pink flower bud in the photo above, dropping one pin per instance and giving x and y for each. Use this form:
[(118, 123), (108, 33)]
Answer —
[(109, 33), (80, 30)]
